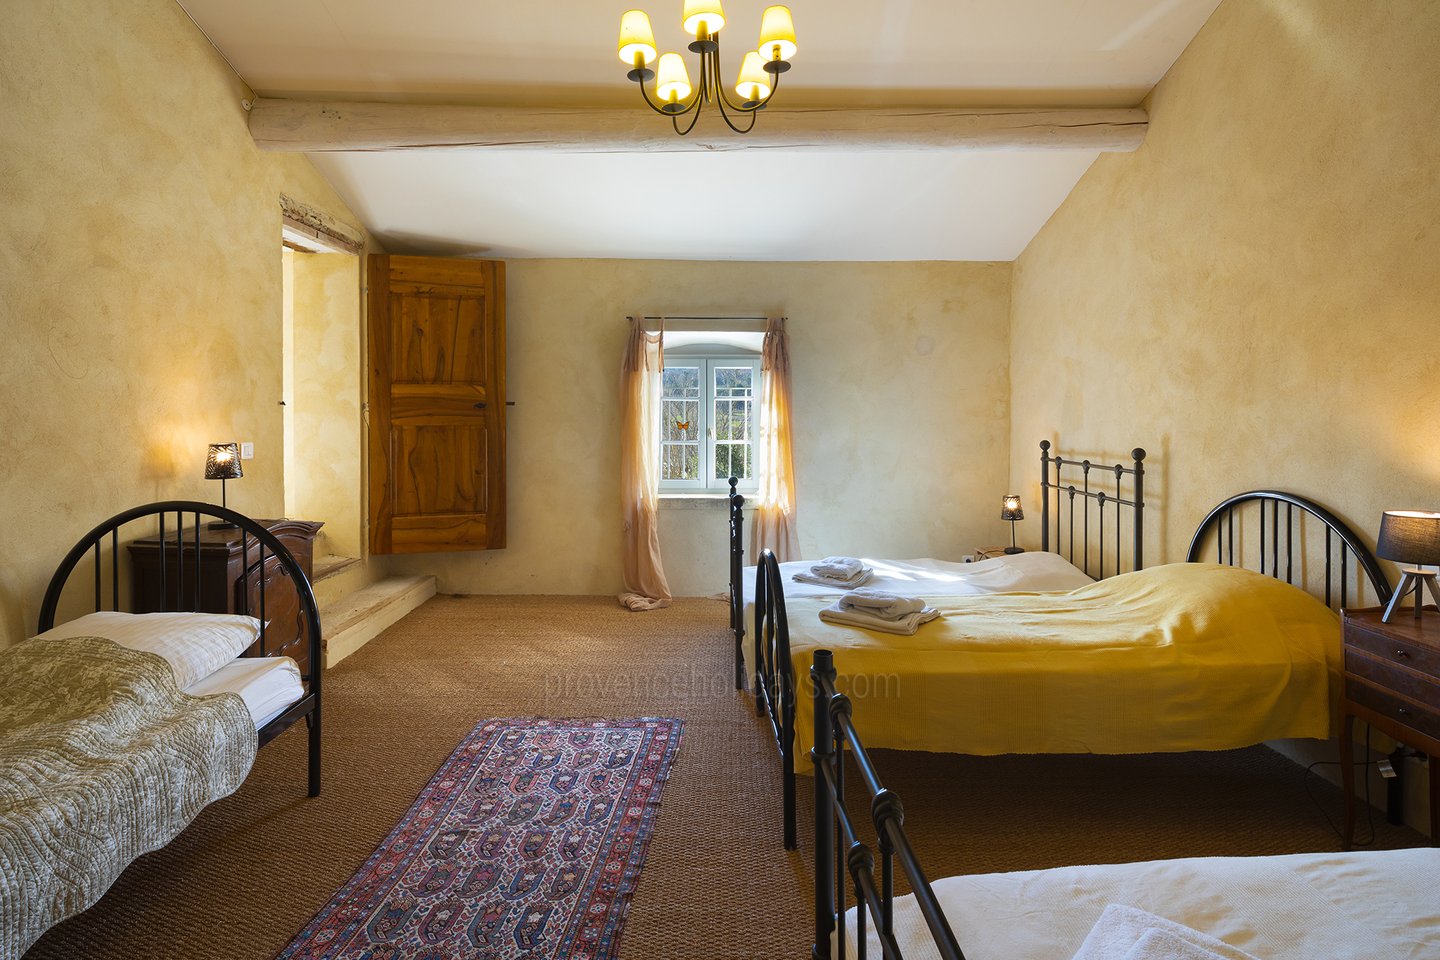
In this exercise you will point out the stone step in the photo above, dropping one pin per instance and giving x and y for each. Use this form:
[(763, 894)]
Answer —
[(359, 617), (330, 565)]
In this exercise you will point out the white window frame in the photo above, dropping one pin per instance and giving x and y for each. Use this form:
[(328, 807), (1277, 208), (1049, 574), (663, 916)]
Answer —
[(708, 360)]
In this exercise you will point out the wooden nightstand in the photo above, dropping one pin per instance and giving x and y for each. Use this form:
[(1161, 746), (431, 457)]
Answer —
[(230, 582), (1392, 682)]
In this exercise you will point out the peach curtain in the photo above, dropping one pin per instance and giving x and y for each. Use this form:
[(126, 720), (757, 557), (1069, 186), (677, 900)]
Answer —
[(774, 524), (643, 576)]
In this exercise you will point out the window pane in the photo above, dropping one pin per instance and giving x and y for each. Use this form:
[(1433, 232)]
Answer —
[(680, 382), (732, 460), (680, 461), (733, 381), (740, 411), (679, 419)]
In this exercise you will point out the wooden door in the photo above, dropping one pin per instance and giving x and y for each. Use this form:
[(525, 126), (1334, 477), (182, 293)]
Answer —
[(437, 404)]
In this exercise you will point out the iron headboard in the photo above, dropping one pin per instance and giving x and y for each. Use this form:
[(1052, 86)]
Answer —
[(1101, 499), (1221, 522)]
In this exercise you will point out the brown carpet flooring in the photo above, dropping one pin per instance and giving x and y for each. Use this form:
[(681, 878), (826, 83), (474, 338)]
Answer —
[(253, 868)]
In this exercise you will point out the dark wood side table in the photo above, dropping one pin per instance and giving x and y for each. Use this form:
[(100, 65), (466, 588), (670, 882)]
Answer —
[(229, 582), (1392, 682)]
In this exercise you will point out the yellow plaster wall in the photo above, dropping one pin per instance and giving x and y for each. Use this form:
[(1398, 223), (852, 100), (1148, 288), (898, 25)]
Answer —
[(325, 400), (1254, 295), (900, 385), (140, 277)]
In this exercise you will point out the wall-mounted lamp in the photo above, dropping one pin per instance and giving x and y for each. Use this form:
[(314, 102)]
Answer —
[(1011, 511), (1410, 537), (223, 463)]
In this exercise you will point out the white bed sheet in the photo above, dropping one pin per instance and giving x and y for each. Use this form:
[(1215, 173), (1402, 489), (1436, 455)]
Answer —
[(267, 685), (1367, 905), (1020, 572), (927, 578)]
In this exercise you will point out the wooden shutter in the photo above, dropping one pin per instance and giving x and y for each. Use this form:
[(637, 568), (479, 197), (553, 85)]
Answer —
[(437, 404)]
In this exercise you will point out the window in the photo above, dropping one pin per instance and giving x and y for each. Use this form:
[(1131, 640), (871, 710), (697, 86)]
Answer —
[(709, 428)]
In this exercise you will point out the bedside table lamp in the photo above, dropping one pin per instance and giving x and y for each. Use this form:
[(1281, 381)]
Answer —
[(223, 463), (1410, 537), (1011, 511)]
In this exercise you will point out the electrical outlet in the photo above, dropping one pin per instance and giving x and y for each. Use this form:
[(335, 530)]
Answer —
[(247, 450)]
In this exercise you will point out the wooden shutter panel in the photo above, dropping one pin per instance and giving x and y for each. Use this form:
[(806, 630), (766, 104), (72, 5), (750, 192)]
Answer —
[(437, 404)]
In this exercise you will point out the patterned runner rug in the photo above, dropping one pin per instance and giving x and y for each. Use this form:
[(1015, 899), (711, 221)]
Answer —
[(526, 844)]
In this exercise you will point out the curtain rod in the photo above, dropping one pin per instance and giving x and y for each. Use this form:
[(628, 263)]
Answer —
[(740, 324), (744, 316)]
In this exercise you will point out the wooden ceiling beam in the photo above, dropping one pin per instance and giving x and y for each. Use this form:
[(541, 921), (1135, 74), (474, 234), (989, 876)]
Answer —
[(312, 126)]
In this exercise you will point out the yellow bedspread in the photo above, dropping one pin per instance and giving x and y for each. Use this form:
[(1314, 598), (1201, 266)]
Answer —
[(1185, 656)]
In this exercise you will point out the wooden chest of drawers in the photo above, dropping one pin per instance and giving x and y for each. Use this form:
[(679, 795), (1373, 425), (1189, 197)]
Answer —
[(1392, 682), (230, 577)]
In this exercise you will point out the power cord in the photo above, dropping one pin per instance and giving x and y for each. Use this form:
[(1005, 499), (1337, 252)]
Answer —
[(1369, 809)]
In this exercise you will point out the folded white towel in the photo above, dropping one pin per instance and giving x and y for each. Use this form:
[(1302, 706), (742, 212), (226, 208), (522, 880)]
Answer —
[(837, 568), (804, 576), (881, 603), (853, 617), (1129, 933)]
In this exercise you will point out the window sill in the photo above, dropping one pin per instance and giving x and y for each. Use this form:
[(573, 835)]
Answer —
[(695, 501)]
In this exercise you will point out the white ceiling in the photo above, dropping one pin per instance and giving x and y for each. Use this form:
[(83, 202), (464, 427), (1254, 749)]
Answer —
[(771, 204)]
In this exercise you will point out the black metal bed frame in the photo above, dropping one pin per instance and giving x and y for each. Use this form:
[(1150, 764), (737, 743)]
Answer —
[(737, 592), (774, 678), (1221, 523), (835, 733), (835, 831), (1136, 501), (174, 599)]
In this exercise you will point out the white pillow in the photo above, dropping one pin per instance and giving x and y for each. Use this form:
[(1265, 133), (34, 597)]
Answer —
[(195, 644)]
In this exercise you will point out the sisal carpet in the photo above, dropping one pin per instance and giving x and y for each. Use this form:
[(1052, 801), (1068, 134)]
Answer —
[(254, 868)]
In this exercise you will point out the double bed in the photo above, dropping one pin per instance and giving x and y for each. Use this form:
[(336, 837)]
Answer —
[(1341, 906), (117, 728), (1200, 655)]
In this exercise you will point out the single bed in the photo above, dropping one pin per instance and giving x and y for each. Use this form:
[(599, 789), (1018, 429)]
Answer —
[(1193, 656), (272, 589), (117, 728), (1372, 905)]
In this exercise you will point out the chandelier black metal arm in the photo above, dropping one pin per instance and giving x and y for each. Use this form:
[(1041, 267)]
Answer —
[(709, 89)]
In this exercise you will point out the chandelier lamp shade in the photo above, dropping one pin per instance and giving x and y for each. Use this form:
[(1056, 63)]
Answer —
[(674, 95)]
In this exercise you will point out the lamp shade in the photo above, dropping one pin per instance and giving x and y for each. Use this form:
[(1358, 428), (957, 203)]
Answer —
[(637, 40), (1010, 509), (1409, 536), (777, 30), (223, 462), (703, 16), (672, 81), (754, 82)]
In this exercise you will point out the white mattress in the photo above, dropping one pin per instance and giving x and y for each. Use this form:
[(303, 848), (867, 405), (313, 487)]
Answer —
[(1368, 905), (267, 685)]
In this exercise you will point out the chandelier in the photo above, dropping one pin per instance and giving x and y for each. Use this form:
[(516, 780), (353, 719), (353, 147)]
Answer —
[(674, 97)]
